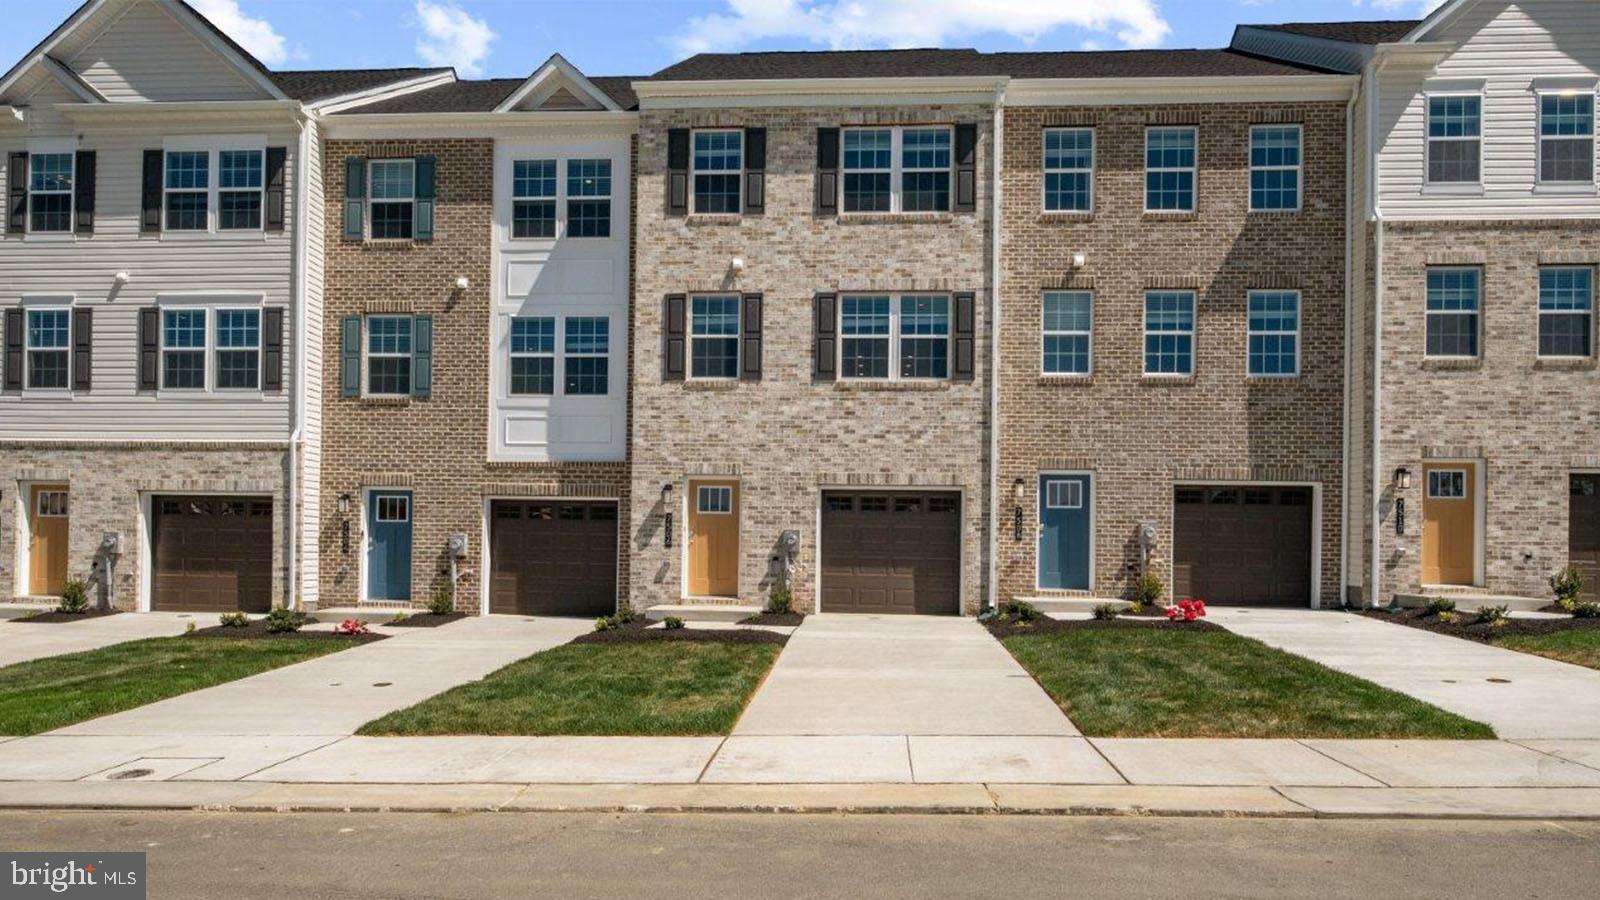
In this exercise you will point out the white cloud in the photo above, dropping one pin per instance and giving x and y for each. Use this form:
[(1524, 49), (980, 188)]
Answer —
[(450, 37), (255, 35), (851, 24)]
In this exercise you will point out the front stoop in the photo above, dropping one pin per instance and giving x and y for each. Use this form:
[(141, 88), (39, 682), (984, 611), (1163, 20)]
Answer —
[(702, 612), (372, 615), (1050, 605), (1469, 600)]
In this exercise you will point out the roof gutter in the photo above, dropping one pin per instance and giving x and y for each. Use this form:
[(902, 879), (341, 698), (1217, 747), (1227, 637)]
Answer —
[(471, 124), (1229, 88)]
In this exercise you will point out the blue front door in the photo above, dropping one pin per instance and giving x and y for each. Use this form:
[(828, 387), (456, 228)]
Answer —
[(389, 545), (1064, 532)]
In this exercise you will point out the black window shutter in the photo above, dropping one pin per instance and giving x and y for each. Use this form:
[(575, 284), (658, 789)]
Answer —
[(966, 193), (149, 347), (272, 350), (677, 171), (750, 338), (672, 337), (422, 224), (350, 356), (827, 171), (963, 337), (13, 361), (83, 192), (276, 157), (150, 196), (755, 170), (82, 348), (422, 356), (17, 193), (355, 200), (824, 343)]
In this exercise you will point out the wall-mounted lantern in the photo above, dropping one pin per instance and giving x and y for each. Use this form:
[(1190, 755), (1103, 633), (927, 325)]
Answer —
[(1402, 479), (666, 515), (1017, 492)]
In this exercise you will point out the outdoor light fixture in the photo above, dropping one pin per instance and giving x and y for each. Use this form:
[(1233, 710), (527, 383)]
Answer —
[(344, 504), (1078, 260), (1016, 511), (1402, 478), (736, 264), (666, 515), (122, 278), (462, 283)]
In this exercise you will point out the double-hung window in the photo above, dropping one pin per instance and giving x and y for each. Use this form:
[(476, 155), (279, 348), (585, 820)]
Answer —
[(1566, 138), (1169, 333), (232, 183), (533, 198), (392, 185), (183, 349), (1274, 168), (586, 358), (1453, 304), (589, 198), (714, 336), (864, 336), (1455, 127), (1169, 169), (1274, 333), (50, 178), (1068, 320), (718, 170), (389, 350), (240, 186), (48, 347), (897, 169), (900, 337), (1566, 311), (238, 350), (1068, 169), (533, 355), (188, 190)]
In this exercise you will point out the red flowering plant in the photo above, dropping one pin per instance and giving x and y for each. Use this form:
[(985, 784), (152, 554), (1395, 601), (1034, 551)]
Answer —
[(1186, 610), (351, 626)]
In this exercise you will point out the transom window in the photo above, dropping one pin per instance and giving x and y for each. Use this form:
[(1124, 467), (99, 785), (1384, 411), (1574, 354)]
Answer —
[(714, 337), (1068, 169), (1169, 333), (714, 499), (1169, 169), (1566, 138), (1453, 303), (883, 336), (389, 348), (1566, 311), (533, 355), (50, 178), (533, 204), (1068, 319), (1447, 484), (183, 349), (238, 350), (718, 167), (589, 198), (1455, 127), (587, 355), (1063, 494), (392, 185), (394, 508), (1274, 333), (1274, 168), (49, 348), (52, 504), (232, 182), (896, 169)]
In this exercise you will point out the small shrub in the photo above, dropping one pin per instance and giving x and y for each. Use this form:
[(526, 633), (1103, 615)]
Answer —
[(1567, 584), (1023, 611), (234, 620), (351, 626), (1586, 609), (283, 620), (1105, 612), (625, 614), (1439, 605), (1449, 618), (74, 597), (780, 601), (189, 628), (1147, 591), (989, 614), (1187, 610), (398, 618), (444, 600), (606, 623), (1494, 616), (672, 623)]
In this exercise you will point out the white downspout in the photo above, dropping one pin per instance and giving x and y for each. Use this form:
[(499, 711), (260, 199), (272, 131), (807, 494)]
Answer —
[(1350, 218), (1376, 493), (995, 155), (297, 271)]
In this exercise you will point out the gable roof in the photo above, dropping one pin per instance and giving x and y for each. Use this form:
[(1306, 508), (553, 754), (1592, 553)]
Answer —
[(1382, 31), (316, 84), (482, 95), (555, 71)]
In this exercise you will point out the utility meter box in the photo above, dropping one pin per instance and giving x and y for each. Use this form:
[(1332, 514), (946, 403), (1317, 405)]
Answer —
[(111, 543)]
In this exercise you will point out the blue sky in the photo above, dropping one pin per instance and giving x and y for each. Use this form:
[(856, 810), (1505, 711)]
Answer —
[(508, 38)]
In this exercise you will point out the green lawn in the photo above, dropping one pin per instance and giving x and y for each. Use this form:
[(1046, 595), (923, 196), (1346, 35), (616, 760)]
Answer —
[(1580, 647), (594, 689), (44, 694), (1161, 682)]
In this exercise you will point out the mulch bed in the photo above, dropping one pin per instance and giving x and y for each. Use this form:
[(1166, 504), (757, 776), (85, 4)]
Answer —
[(1466, 627), (53, 616), (766, 618), (257, 630), (426, 620), (1047, 625), (639, 632)]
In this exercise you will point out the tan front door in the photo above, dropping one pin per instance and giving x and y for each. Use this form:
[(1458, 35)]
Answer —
[(1449, 523), (47, 556), (714, 538)]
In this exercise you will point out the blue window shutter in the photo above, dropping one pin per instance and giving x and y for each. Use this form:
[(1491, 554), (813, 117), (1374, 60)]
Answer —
[(422, 356), (355, 197), (350, 357), (422, 227)]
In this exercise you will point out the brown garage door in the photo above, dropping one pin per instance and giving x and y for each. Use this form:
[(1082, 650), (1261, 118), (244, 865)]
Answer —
[(885, 552), (1242, 545), (1583, 532), (211, 554), (553, 558)]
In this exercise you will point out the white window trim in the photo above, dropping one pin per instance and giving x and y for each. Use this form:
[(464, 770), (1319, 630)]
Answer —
[(554, 199), (1073, 498), (1446, 187), (1540, 137), (1193, 333), (1299, 348), (45, 304), (54, 148), (702, 490), (552, 355), (1045, 332), (213, 147), (737, 173), (367, 355), (1428, 314), (39, 495), (1539, 330), (1194, 171), (568, 198), (1044, 191), (894, 336), (204, 349), (377, 507), (410, 198), (1464, 495), (214, 368), (564, 355), (738, 342), (1298, 168), (210, 304), (896, 169)]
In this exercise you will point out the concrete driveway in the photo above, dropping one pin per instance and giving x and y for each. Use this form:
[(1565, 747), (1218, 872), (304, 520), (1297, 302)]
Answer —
[(22, 641)]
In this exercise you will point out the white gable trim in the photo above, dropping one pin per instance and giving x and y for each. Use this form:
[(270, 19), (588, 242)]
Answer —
[(328, 105), (544, 81), (1438, 19), (69, 79)]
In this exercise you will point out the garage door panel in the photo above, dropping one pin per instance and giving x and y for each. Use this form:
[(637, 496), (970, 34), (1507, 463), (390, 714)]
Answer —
[(554, 559), (211, 554), (888, 552), (1247, 546)]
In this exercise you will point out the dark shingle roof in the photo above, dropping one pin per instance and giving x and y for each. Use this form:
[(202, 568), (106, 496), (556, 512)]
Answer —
[(1140, 64), (483, 96), (1376, 32), (316, 84)]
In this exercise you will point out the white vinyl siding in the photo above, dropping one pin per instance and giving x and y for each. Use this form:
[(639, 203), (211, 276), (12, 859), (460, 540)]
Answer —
[(148, 55)]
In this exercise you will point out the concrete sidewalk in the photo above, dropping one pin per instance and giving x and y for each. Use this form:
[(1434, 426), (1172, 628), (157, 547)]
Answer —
[(24, 641), (1521, 696)]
